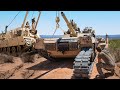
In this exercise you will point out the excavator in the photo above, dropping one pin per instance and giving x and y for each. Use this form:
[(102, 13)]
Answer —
[(19, 40)]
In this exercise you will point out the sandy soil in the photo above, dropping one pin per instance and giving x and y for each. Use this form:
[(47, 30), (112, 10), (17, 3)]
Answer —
[(43, 69)]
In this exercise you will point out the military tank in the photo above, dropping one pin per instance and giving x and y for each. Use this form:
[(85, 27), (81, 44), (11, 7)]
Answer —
[(20, 39), (102, 41), (75, 43)]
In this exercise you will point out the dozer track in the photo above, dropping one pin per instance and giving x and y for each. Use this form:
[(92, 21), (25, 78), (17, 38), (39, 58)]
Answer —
[(83, 63)]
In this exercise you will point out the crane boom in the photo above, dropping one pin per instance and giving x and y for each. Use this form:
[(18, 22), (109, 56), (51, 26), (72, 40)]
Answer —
[(24, 19), (38, 19), (69, 25)]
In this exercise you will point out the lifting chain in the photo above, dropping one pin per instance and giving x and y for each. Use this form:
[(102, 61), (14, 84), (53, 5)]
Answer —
[(57, 23)]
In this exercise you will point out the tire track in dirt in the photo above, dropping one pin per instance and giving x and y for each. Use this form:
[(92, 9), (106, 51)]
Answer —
[(10, 73), (23, 72), (7, 70), (51, 69), (42, 69)]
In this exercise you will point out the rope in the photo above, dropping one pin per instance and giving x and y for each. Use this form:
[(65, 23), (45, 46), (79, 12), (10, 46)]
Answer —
[(57, 22), (55, 29), (32, 15), (62, 30), (14, 18), (57, 14)]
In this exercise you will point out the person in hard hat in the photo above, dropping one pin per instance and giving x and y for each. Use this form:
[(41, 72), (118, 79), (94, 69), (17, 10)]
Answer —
[(105, 61)]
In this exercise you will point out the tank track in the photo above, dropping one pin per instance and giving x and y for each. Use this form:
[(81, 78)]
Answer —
[(83, 63)]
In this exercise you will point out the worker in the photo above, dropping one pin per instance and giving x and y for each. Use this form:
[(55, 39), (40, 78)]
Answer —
[(33, 24), (105, 61), (27, 25)]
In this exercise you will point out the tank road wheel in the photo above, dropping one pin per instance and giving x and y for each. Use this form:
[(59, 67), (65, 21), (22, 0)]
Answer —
[(4, 50), (13, 51), (8, 50), (19, 49)]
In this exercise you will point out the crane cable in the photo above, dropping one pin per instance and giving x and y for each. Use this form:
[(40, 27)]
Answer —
[(32, 16), (13, 18), (11, 22), (57, 23)]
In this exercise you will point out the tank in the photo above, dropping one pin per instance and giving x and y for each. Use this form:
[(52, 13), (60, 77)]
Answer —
[(18, 40), (76, 44), (101, 41)]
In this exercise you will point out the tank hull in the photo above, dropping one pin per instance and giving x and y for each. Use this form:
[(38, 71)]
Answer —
[(16, 41), (66, 54)]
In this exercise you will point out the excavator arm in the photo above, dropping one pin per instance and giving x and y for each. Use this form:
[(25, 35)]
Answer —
[(72, 31)]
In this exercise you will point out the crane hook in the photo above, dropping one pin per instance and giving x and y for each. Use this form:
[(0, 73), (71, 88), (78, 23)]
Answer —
[(57, 22), (57, 19)]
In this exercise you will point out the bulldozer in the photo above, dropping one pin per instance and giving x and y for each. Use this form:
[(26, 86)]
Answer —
[(16, 41), (75, 43)]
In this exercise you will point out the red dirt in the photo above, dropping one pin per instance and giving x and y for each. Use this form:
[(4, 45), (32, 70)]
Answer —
[(44, 69)]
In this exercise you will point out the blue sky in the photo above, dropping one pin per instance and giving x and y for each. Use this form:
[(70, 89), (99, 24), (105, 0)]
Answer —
[(102, 21)]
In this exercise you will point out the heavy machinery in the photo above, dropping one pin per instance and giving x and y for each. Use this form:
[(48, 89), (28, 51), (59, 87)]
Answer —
[(101, 41), (76, 44), (20, 39)]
